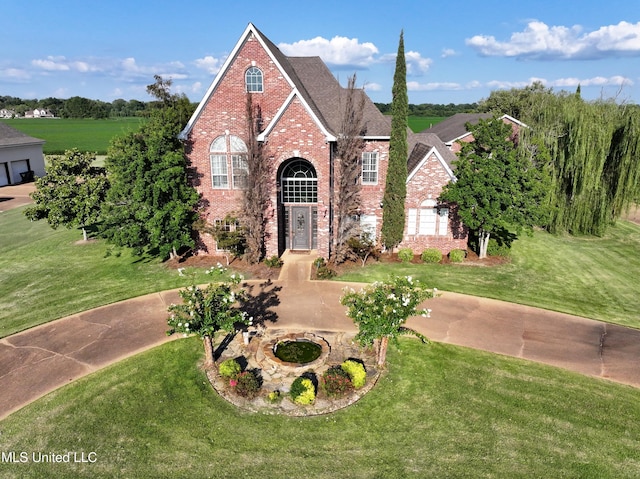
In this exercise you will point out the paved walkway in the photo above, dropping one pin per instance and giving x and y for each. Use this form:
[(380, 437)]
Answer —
[(44, 358)]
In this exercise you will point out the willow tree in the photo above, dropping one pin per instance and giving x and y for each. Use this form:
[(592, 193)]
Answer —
[(348, 152), (395, 191)]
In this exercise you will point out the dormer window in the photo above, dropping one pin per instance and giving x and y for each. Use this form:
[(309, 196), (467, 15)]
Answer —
[(253, 80)]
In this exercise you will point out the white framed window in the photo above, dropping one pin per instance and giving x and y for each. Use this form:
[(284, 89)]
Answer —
[(443, 221), (226, 152), (412, 218), (219, 176), (370, 168), (427, 219), (368, 225), (253, 80)]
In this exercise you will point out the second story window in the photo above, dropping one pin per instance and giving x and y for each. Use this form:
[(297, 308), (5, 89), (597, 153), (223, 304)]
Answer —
[(253, 80), (228, 152), (370, 168)]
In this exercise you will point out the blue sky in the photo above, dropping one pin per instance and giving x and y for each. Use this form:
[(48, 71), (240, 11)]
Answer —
[(457, 51)]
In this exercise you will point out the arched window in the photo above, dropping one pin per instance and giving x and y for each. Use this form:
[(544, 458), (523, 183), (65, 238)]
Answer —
[(299, 183), (228, 151), (253, 80)]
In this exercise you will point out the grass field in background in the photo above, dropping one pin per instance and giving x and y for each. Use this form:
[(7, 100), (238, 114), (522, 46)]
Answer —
[(440, 411), (419, 123), (62, 134)]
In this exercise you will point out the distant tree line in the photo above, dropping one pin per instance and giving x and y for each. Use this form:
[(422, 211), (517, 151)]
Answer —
[(79, 107), (432, 109)]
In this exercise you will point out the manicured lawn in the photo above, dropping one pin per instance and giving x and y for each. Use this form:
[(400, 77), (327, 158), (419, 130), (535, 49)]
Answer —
[(86, 135), (47, 275), (440, 411), (587, 276)]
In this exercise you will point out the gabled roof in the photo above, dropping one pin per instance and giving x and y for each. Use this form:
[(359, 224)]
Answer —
[(312, 82), (421, 145), (453, 128), (12, 137)]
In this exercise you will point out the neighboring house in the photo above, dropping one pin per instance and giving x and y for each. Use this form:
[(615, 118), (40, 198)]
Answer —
[(5, 113), (39, 113), (21, 156), (300, 104), (453, 131)]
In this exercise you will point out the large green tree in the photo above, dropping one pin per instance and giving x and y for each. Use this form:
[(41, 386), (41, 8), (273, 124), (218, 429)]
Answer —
[(499, 184), (395, 190), (151, 206), (71, 192)]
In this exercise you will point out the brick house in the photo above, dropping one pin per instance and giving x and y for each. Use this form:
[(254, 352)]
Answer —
[(300, 107), (453, 130)]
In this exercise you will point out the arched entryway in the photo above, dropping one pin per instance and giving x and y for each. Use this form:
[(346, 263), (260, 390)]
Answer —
[(297, 206)]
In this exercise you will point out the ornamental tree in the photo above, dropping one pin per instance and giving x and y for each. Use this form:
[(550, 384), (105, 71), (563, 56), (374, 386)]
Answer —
[(70, 193), (381, 309), (205, 311)]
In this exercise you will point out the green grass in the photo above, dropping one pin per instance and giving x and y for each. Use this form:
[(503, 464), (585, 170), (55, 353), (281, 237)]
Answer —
[(440, 411), (419, 123), (47, 275), (587, 276), (60, 134)]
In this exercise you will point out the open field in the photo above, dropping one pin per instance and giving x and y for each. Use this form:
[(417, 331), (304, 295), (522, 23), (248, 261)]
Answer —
[(60, 134), (439, 411), (419, 123)]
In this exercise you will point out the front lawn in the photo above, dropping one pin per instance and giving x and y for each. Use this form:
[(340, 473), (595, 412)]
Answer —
[(440, 411), (48, 274), (586, 276)]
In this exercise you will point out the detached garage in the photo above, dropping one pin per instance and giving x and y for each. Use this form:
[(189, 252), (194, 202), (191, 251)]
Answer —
[(21, 156)]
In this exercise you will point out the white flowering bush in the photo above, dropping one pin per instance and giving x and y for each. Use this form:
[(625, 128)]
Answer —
[(381, 309), (207, 310)]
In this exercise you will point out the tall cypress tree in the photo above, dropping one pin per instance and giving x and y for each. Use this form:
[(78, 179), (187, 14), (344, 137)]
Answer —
[(395, 190)]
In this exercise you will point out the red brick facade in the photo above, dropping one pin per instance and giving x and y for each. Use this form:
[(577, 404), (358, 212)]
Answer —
[(294, 132)]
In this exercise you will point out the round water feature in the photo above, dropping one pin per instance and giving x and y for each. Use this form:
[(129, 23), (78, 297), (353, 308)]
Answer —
[(296, 351), (299, 351)]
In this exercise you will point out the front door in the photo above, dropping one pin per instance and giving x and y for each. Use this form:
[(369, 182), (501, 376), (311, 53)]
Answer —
[(301, 227)]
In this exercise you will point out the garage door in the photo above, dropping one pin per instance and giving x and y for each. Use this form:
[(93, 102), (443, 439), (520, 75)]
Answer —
[(17, 167), (4, 174)]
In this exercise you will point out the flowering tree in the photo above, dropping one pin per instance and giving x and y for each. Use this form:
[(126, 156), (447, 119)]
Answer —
[(381, 309), (205, 311)]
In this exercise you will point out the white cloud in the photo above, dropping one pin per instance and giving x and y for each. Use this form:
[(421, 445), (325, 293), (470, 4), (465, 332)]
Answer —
[(51, 64), (416, 65), (373, 87), (448, 52), (416, 86), (15, 74), (210, 64), (341, 51), (539, 41)]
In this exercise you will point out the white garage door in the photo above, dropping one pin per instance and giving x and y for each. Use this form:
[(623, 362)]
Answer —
[(4, 179), (17, 167)]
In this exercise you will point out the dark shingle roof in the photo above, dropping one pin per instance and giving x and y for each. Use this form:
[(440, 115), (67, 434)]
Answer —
[(453, 127), (323, 92), (421, 143), (12, 137)]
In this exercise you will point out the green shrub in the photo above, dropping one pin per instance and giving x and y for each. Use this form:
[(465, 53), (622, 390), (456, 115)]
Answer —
[(302, 391), (274, 397), (273, 262), (336, 382), (431, 255), (405, 255), (356, 372), (457, 255), (323, 271), (229, 368), (247, 384), (495, 248)]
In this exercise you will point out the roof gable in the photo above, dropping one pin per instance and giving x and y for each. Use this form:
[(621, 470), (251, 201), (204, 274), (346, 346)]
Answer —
[(311, 81), (421, 146), (454, 128)]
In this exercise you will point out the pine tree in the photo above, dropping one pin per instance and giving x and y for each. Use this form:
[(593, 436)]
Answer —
[(395, 190)]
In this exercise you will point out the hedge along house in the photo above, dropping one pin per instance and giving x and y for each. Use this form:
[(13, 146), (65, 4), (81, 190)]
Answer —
[(300, 106)]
